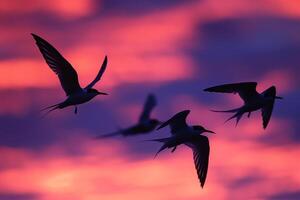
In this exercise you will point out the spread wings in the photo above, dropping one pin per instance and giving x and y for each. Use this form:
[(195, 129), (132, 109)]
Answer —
[(245, 89), (148, 107), (66, 73)]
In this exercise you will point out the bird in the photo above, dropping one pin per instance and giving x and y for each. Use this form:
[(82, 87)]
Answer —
[(252, 100), (192, 137), (68, 77), (144, 125)]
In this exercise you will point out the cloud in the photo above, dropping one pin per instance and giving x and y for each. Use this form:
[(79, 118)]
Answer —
[(66, 10), (173, 51), (129, 44), (55, 173)]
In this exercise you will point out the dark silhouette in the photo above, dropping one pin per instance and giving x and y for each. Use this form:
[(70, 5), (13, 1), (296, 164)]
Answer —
[(252, 100), (145, 123), (68, 77), (190, 136)]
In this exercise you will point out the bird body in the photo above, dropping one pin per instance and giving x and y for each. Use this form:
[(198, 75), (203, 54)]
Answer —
[(133, 130), (252, 99), (68, 77), (191, 137), (145, 123), (80, 97)]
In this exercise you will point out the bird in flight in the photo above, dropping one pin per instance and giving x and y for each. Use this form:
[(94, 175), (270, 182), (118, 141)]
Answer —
[(145, 123), (191, 136), (252, 100), (68, 77)]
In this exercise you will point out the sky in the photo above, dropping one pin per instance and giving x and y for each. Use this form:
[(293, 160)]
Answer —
[(173, 49)]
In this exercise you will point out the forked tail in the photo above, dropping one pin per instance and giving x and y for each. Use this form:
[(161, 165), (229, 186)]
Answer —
[(238, 114), (168, 143), (50, 109), (108, 135)]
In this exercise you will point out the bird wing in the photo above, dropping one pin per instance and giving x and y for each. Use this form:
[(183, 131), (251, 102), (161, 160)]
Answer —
[(148, 107), (245, 89), (99, 75), (201, 149), (177, 122), (66, 73), (267, 110)]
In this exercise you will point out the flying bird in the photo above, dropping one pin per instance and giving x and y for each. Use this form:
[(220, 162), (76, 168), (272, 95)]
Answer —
[(145, 123), (68, 77), (191, 136), (252, 100)]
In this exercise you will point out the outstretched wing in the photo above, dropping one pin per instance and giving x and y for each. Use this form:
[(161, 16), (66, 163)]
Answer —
[(267, 110), (201, 149), (66, 73), (99, 75), (148, 107), (177, 122), (245, 89)]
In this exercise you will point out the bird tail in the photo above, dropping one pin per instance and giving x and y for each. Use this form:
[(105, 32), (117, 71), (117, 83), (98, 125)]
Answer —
[(238, 117), (238, 114), (50, 109), (108, 135), (168, 143)]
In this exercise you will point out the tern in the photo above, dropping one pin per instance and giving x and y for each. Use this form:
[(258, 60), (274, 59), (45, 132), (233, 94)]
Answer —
[(190, 136), (145, 123), (68, 77), (252, 100)]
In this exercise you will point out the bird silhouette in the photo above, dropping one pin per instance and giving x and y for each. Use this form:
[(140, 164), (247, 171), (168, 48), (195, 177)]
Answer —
[(252, 100), (190, 136), (145, 123), (68, 77)]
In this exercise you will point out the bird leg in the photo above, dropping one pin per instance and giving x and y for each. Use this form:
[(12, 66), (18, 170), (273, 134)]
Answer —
[(174, 149), (75, 111), (249, 114)]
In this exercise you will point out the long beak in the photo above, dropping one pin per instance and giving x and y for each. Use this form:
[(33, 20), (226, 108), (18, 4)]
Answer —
[(102, 93), (278, 97), (210, 131)]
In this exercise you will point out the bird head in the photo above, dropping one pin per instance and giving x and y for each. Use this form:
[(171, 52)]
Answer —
[(95, 92), (201, 129)]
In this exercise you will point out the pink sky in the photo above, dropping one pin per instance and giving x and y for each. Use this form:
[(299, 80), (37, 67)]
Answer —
[(173, 49)]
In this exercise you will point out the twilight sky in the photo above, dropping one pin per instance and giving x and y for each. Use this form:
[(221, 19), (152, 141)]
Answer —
[(173, 49)]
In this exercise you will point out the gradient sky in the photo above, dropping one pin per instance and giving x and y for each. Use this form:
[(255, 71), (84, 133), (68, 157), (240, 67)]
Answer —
[(173, 49)]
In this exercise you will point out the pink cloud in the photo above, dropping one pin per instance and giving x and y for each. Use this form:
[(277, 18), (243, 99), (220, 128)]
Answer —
[(129, 44), (139, 49), (66, 10), (100, 171), (284, 80)]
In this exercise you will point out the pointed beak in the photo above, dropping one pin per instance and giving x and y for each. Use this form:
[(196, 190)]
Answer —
[(278, 97), (210, 131), (102, 93)]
